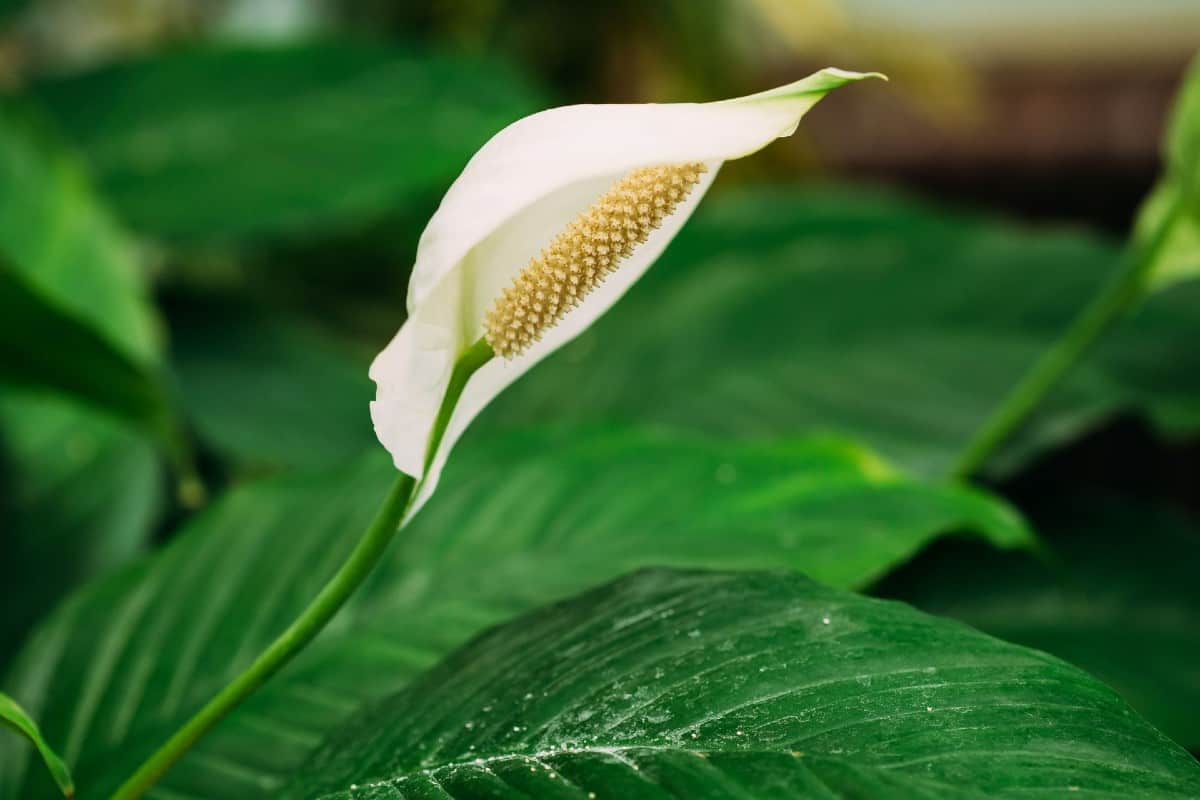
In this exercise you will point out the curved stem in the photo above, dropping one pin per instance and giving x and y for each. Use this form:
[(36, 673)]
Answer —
[(468, 362), (1117, 297), (362, 559), (333, 595)]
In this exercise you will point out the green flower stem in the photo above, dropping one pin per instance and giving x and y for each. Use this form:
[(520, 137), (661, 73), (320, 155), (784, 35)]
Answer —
[(468, 362), (1113, 301), (333, 595)]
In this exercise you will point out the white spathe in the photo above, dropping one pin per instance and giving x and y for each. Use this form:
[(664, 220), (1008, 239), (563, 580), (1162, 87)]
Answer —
[(514, 196)]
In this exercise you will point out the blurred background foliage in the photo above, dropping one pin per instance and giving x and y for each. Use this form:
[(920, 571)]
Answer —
[(208, 210)]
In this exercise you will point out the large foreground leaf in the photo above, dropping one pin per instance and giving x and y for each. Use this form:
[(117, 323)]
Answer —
[(518, 522), (78, 496), (747, 685), (779, 312), (1120, 599), (224, 142)]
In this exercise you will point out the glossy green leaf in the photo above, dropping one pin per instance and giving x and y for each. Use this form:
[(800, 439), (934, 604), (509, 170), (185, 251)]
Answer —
[(220, 142), (79, 495), (746, 685), (1120, 600), (780, 312), (13, 716), (517, 522), (264, 389)]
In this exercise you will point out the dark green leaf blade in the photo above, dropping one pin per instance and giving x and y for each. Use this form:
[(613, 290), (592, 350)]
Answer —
[(264, 389), (42, 348), (1119, 600), (74, 313), (15, 717), (58, 239), (79, 496), (222, 142), (581, 504), (648, 685), (499, 537)]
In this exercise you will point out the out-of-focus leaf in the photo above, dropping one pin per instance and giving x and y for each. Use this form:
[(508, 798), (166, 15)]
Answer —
[(1177, 257), (43, 347), (74, 315), (61, 243), (1120, 601), (220, 142), (1175, 202), (745, 685), (1152, 366), (779, 312), (521, 521), (267, 390), (79, 495), (1183, 139), (10, 8), (15, 717)]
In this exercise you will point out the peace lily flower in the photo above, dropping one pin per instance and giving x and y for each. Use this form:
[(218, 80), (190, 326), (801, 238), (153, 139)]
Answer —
[(547, 226)]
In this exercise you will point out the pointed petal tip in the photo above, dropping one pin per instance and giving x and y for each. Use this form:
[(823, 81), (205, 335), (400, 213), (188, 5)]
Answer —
[(850, 75), (817, 85)]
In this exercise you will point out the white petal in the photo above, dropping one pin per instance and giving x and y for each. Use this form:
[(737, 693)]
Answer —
[(514, 196)]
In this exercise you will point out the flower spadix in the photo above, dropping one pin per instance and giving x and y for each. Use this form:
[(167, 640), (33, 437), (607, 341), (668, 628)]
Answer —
[(547, 226)]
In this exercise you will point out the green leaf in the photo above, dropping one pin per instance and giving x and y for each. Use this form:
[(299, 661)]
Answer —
[(741, 685), (219, 142), (780, 312), (1175, 202), (1178, 256), (265, 389), (74, 313), (1120, 601), (57, 239), (1183, 139), (15, 717), (1150, 365), (43, 348), (79, 495), (517, 522), (584, 504)]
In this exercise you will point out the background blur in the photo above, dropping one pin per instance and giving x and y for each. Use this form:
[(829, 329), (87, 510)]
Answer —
[(1041, 107), (233, 191)]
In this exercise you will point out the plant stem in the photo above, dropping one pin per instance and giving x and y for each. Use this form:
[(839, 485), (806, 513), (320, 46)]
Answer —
[(362, 559), (468, 361), (1113, 301), (333, 595)]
